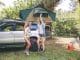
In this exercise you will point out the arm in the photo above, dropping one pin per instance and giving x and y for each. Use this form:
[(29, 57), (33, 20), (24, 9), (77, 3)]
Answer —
[(25, 34), (41, 19), (25, 29)]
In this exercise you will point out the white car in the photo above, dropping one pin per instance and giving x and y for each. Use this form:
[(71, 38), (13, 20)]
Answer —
[(11, 33)]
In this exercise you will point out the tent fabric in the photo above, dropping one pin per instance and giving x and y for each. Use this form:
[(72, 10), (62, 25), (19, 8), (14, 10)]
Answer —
[(39, 10), (24, 13), (52, 15)]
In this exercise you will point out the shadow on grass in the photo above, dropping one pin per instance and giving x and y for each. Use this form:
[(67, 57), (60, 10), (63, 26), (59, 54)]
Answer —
[(11, 49)]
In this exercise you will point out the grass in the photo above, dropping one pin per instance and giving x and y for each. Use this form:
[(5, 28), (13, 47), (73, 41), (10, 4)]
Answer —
[(53, 52)]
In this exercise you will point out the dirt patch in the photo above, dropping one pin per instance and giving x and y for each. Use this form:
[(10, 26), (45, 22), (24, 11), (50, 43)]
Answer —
[(66, 41)]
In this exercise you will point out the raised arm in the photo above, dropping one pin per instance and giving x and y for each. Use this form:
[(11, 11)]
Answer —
[(41, 19)]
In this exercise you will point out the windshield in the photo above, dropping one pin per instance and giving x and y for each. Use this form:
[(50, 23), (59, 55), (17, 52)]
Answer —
[(33, 26)]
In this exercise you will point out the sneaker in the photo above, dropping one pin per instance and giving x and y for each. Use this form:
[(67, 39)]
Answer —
[(27, 52), (41, 48)]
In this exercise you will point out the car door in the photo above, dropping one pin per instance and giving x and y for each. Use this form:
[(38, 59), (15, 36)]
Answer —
[(19, 33), (6, 35)]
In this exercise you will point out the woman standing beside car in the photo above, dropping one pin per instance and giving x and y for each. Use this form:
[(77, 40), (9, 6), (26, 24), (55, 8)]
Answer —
[(26, 37)]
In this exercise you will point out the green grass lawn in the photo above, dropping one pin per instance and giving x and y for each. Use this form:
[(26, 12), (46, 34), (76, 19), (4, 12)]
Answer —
[(53, 52)]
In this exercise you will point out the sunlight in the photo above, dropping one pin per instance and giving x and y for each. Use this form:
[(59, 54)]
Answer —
[(66, 5), (8, 2)]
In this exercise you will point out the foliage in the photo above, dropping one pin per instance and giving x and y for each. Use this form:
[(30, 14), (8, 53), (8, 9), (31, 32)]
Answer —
[(13, 12), (65, 27), (49, 4), (68, 24)]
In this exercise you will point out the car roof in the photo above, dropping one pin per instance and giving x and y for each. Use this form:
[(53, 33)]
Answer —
[(11, 20)]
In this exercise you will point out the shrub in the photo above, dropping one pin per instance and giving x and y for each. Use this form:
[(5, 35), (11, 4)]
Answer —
[(65, 27)]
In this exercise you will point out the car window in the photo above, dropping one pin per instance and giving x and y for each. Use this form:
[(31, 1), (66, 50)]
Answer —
[(33, 26), (11, 26), (19, 27), (7, 28)]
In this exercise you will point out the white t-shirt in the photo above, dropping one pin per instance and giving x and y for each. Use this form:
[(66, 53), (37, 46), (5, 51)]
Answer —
[(42, 28)]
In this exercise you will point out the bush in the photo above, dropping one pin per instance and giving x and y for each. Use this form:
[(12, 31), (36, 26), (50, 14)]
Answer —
[(65, 27)]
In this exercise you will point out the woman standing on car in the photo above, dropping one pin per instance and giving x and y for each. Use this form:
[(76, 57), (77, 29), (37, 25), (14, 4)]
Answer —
[(26, 37)]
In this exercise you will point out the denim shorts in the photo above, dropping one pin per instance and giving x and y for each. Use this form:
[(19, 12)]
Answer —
[(42, 35)]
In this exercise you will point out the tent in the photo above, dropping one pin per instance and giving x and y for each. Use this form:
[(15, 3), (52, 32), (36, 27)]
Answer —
[(38, 9)]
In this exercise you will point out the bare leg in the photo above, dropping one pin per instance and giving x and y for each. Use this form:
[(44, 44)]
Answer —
[(43, 43), (28, 44), (38, 44)]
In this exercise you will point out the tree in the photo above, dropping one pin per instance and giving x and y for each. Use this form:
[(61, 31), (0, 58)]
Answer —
[(79, 1), (49, 4), (13, 12)]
